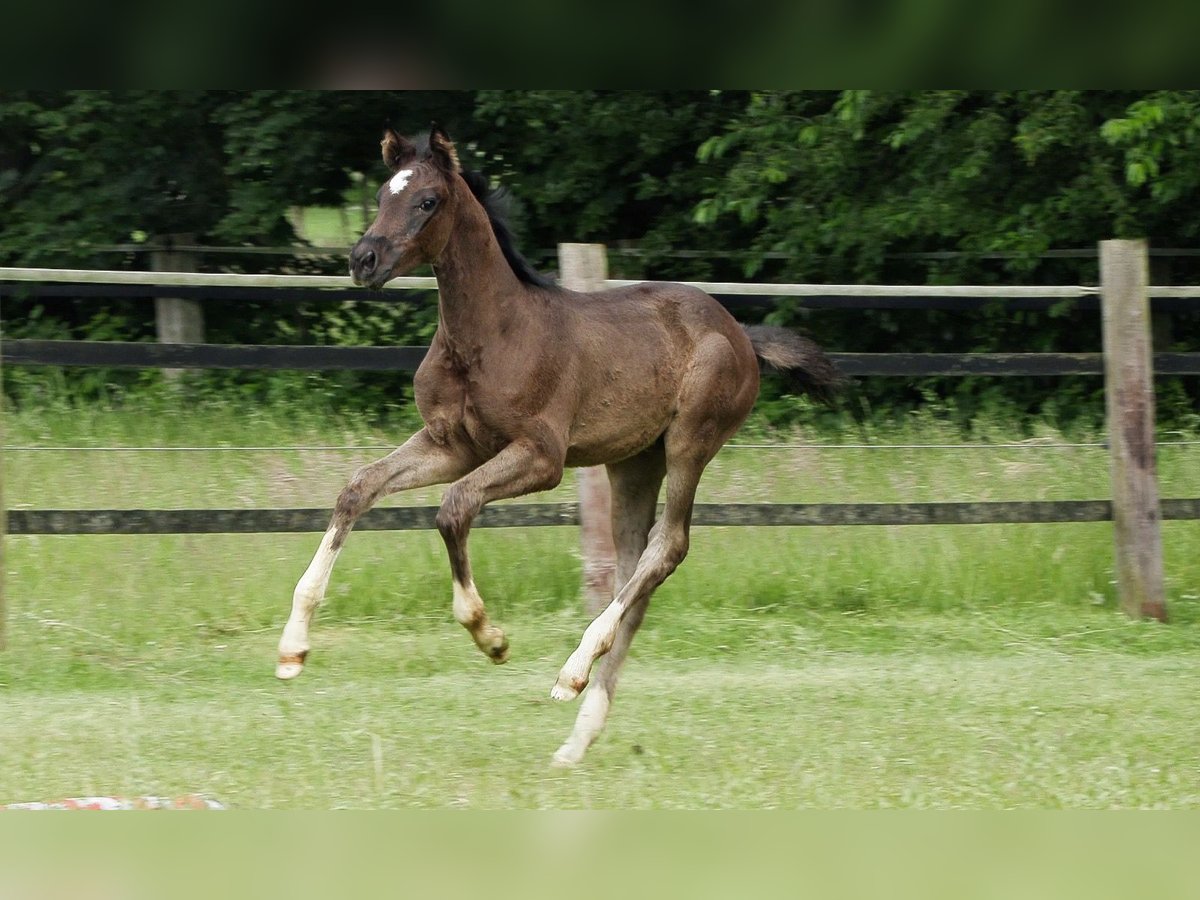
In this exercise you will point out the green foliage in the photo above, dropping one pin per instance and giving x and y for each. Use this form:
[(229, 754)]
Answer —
[(856, 186), (1158, 136), (80, 167), (614, 167), (840, 181), (822, 186)]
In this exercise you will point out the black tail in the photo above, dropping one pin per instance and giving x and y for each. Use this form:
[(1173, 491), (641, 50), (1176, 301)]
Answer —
[(799, 359)]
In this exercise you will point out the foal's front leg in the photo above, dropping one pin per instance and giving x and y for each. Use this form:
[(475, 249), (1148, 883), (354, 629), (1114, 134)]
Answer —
[(520, 468), (419, 462)]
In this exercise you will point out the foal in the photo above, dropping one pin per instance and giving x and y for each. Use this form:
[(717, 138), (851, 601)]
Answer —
[(523, 379)]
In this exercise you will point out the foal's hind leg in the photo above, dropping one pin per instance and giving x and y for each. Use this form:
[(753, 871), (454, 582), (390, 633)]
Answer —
[(635, 484), (420, 461), (520, 468), (714, 399), (667, 547)]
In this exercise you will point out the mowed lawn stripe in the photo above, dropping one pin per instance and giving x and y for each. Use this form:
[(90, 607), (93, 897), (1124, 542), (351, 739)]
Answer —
[(1039, 727)]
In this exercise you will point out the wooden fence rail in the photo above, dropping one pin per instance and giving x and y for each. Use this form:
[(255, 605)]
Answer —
[(32, 282), (42, 276)]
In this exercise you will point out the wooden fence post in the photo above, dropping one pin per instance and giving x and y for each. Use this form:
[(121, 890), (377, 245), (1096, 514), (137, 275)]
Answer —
[(584, 267), (177, 320), (1129, 400)]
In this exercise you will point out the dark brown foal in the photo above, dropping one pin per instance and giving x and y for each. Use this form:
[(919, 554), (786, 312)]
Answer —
[(523, 379)]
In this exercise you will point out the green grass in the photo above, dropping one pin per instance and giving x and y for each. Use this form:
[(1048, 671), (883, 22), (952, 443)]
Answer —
[(978, 666), (331, 226), (1039, 727)]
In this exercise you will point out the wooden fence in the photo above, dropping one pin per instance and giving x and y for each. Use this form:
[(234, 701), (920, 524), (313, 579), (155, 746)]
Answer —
[(1127, 363)]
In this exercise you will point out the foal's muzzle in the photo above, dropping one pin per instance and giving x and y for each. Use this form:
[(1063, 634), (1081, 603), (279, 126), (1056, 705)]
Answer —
[(364, 262)]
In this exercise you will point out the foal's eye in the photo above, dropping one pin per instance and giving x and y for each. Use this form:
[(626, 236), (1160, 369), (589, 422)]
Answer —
[(427, 204)]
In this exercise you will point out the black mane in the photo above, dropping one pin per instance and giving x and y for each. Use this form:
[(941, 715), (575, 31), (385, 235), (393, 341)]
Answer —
[(493, 203)]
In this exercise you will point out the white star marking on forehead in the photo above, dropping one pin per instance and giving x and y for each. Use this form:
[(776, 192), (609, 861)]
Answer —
[(400, 180)]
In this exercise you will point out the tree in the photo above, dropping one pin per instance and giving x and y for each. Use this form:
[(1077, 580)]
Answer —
[(842, 181), (81, 168), (1159, 137), (855, 186), (614, 167)]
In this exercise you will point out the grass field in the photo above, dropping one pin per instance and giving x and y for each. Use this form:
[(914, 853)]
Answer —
[(979, 666)]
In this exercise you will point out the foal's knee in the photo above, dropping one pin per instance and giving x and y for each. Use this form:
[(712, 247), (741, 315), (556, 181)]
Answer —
[(671, 550), (676, 552), (454, 515), (547, 472), (359, 494)]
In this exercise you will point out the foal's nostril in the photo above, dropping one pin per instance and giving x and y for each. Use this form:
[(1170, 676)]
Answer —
[(362, 262)]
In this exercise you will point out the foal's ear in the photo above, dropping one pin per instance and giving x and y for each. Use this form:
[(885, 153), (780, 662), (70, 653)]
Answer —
[(397, 151), (442, 150)]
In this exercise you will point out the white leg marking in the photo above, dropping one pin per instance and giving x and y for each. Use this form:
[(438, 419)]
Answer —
[(467, 604), (309, 593), (593, 713), (471, 614), (597, 638)]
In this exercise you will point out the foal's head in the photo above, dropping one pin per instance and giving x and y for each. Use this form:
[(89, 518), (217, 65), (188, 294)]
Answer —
[(415, 209)]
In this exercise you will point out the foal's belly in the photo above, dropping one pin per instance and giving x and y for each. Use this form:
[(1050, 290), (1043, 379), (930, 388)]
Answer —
[(612, 440), (626, 405)]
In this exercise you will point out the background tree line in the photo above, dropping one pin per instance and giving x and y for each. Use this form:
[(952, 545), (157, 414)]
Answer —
[(775, 185)]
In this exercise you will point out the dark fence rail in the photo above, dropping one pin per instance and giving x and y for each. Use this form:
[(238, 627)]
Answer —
[(528, 515), (117, 354)]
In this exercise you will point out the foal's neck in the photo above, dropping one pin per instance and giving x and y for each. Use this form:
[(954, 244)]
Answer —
[(476, 285)]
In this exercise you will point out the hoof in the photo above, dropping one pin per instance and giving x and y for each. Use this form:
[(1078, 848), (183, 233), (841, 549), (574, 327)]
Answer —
[(565, 758), (290, 666), (499, 654), (566, 690), (568, 686), (494, 645)]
